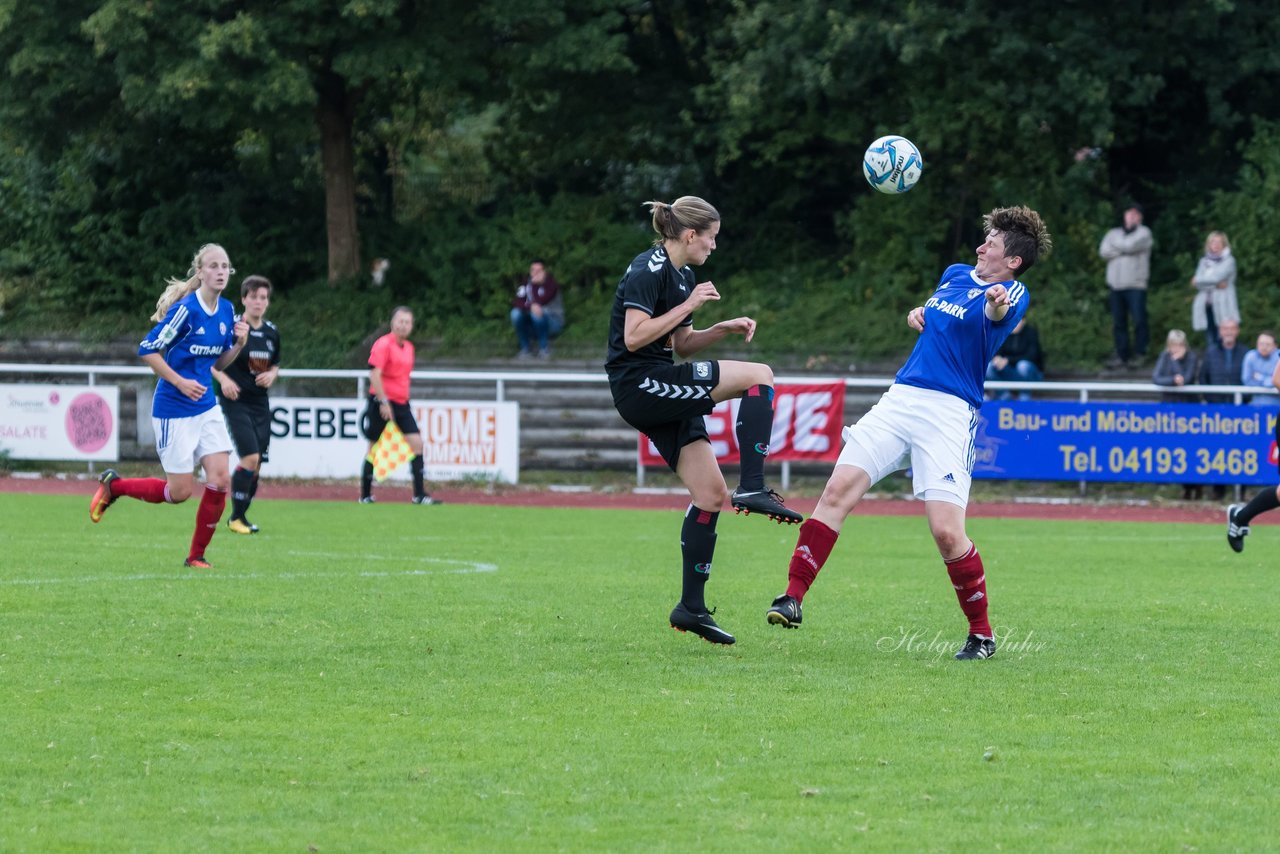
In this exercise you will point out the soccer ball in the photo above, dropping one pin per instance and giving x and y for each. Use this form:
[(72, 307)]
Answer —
[(892, 164)]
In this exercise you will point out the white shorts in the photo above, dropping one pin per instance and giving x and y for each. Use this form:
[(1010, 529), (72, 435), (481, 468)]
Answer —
[(183, 442), (930, 431)]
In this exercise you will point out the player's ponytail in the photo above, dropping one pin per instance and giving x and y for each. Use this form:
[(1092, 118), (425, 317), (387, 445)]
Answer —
[(671, 220), (182, 288)]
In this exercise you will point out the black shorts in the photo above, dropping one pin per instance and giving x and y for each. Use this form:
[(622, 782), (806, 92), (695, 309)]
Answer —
[(249, 423), (666, 403), (372, 423)]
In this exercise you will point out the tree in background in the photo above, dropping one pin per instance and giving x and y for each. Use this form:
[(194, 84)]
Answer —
[(461, 139)]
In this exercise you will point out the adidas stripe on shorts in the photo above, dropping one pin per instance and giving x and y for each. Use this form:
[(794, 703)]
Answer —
[(183, 442), (931, 432)]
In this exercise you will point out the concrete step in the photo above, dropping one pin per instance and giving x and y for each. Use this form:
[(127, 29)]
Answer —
[(570, 438), (595, 460)]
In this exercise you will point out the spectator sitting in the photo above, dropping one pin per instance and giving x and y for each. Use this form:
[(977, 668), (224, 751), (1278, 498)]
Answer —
[(537, 310), (1178, 365), (1221, 366), (1019, 359), (1259, 366), (1223, 362)]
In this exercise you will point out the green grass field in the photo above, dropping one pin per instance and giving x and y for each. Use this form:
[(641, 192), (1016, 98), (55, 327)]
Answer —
[(465, 678)]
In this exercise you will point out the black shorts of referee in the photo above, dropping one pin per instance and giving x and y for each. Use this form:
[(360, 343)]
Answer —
[(372, 423), (667, 403)]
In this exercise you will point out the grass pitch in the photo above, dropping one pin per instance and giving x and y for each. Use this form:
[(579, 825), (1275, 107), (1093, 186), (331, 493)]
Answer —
[(463, 678)]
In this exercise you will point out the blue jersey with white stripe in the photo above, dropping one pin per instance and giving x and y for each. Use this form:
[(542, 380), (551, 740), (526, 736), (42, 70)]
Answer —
[(959, 339), (191, 338)]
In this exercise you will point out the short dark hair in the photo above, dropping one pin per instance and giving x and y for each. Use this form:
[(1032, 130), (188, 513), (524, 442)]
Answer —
[(1024, 232), (254, 283)]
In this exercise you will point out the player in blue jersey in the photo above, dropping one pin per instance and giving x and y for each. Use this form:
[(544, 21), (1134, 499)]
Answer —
[(652, 322), (928, 417), (197, 331)]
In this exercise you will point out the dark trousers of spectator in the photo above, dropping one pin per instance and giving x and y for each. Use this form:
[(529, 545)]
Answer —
[(1211, 335), (1125, 304)]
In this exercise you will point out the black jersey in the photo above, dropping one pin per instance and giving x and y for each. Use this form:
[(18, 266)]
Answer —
[(653, 285), (260, 352)]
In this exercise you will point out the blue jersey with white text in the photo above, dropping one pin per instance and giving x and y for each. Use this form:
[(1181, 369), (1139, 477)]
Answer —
[(191, 338), (959, 339)]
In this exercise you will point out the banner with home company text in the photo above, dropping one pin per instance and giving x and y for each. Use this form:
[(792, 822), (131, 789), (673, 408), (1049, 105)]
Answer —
[(321, 437), (807, 420)]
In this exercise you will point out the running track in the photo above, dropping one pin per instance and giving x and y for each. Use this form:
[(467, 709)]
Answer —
[(1207, 512)]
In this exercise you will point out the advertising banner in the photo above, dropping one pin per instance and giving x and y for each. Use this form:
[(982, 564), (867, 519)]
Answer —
[(1131, 442), (321, 437), (60, 422), (807, 420)]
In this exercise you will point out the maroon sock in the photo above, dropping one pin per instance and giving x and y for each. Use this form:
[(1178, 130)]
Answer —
[(207, 516), (813, 547), (148, 489), (970, 581)]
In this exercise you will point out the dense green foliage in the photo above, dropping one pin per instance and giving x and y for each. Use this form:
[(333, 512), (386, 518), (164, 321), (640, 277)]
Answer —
[(503, 678), (481, 135)]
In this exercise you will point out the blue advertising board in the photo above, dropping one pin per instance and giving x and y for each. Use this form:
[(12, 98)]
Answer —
[(1133, 442)]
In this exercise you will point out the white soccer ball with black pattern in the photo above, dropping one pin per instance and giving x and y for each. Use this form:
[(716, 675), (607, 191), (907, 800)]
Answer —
[(892, 164)]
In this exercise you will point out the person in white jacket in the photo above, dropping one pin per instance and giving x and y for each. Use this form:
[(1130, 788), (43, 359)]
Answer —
[(1215, 284), (1127, 251)]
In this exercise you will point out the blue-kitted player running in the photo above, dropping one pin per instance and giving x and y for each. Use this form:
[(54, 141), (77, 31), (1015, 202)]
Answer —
[(928, 417), (196, 332)]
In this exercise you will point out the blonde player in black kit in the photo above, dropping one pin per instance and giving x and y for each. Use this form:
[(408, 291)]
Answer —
[(242, 391), (652, 322)]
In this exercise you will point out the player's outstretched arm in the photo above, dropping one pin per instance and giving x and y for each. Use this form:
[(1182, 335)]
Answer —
[(690, 341)]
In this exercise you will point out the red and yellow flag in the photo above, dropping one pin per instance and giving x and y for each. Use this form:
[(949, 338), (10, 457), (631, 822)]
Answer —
[(390, 452)]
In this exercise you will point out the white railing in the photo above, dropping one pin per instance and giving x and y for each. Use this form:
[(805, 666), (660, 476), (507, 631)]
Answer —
[(1082, 390), (501, 378)]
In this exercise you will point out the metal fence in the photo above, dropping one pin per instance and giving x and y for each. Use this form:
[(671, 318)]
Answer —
[(1082, 392)]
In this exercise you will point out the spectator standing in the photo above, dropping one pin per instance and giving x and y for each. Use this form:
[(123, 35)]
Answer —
[(537, 311), (1215, 284), (1177, 366), (1259, 366), (1019, 359), (1127, 251)]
